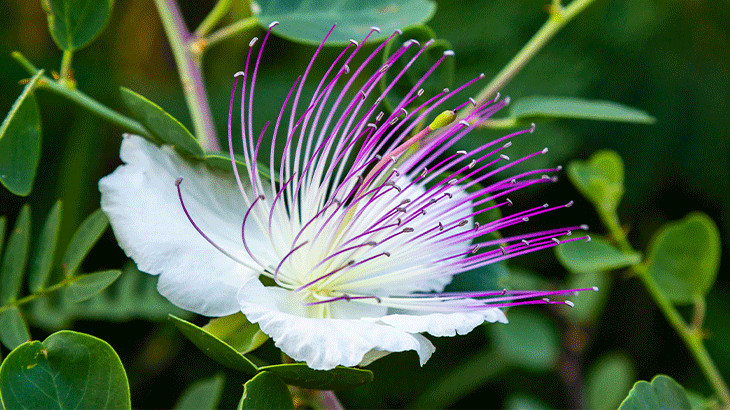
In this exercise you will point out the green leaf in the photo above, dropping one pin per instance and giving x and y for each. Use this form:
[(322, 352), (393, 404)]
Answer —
[(662, 393), (595, 256), (442, 77), (83, 240), (78, 370), (213, 347), (308, 21), (236, 331), (684, 257), (522, 402), (3, 226), (40, 266), (203, 394), (265, 391), (540, 108), (163, 125), (529, 340), (13, 330), (133, 296), (75, 23), (608, 381), (89, 285), (16, 255), (600, 179), (20, 142), (339, 378)]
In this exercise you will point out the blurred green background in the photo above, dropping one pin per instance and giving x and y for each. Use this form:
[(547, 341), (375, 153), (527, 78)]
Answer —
[(670, 58)]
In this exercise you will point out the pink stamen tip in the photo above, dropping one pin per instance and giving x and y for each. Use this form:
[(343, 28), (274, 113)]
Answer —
[(569, 303), (569, 204), (449, 52), (239, 74), (273, 24), (178, 181), (532, 128), (253, 41), (584, 227), (375, 29)]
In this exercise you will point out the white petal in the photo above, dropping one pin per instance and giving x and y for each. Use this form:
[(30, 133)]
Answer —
[(441, 324), (142, 204), (322, 343)]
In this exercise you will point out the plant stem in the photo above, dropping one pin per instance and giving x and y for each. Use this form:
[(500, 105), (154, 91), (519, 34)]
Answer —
[(65, 73), (230, 30), (691, 337), (211, 20), (43, 292), (559, 17), (82, 99), (190, 74)]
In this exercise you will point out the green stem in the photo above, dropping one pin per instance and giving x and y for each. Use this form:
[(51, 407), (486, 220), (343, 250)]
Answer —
[(41, 293), (82, 99), (211, 20), (190, 73), (692, 337), (65, 73), (559, 17), (230, 30)]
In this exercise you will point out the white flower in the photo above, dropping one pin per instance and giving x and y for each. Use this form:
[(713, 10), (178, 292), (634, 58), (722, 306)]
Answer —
[(355, 229)]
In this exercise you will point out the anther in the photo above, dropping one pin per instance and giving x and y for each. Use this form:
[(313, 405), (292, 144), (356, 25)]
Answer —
[(569, 303), (376, 29), (446, 90), (473, 101), (408, 229), (362, 92), (471, 164), (449, 52), (496, 96), (545, 205), (569, 233), (507, 145), (420, 92), (545, 177), (273, 24), (509, 201), (504, 251), (513, 181), (569, 204), (432, 201), (371, 243), (384, 68), (595, 288), (464, 222), (423, 212), (476, 226), (379, 116), (526, 242), (346, 68), (507, 99), (405, 201), (453, 181), (239, 74), (532, 128), (476, 248), (261, 197), (556, 240), (398, 221), (588, 238), (504, 157), (354, 42), (441, 226), (424, 172), (559, 168), (401, 209), (178, 181), (464, 123), (481, 75), (405, 112), (461, 152), (544, 150), (386, 254), (373, 126), (448, 194), (253, 41), (525, 219), (584, 227), (393, 121), (378, 101), (398, 31)]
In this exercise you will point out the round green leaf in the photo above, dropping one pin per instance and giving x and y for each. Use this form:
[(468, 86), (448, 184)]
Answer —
[(308, 21), (529, 340), (662, 393), (20, 142), (75, 23), (608, 381), (203, 394), (684, 257), (89, 285), (540, 108), (214, 347), (163, 125), (595, 256), (600, 179), (237, 332), (265, 391), (339, 378), (442, 77), (68, 370)]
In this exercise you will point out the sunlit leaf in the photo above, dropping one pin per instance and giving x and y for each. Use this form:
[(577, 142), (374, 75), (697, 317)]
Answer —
[(307, 21), (82, 372), (163, 125), (20, 142), (600, 179), (684, 257), (40, 266), (540, 108), (16, 255), (594, 256), (339, 378), (203, 394), (75, 23), (529, 340), (13, 330), (661, 393), (237, 332), (83, 240), (213, 347), (89, 285), (265, 391), (608, 381)]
